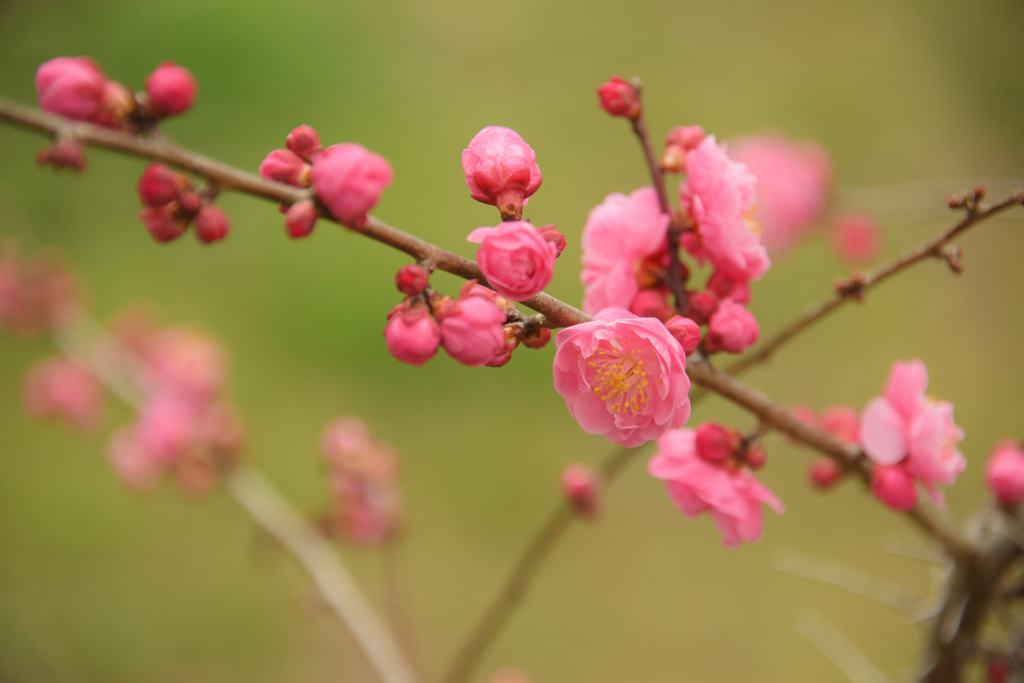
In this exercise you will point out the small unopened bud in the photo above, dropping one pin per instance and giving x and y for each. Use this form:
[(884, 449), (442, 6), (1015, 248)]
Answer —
[(700, 306), (979, 192), (118, 105), (956, 202), (537, 337), (954, 258), (212, 225), (300, 218), (824, 473), (170, 90), (686, 331), (157, 186), (162, 223), (894, 486), (652, 303), (190, 202), (511, 333), (716, 443), (304, 141), (411, 279), (550, 234), (681, 140), (1004, 474), (619, 97), (755, 456), (582, 488), (285, 166), (69, 153)]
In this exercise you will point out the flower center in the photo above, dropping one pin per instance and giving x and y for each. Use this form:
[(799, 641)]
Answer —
[(620, 379)]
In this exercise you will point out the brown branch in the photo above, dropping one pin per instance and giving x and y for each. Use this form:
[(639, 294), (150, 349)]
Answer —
[(858, 285)]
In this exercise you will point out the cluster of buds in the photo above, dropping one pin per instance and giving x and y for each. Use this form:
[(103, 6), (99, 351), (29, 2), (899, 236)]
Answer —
[(37, 295), (172, 204), (363, 476), (347, 178), (183, 426)]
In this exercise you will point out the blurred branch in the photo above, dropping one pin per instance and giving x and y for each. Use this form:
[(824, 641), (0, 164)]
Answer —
[(858, 284)]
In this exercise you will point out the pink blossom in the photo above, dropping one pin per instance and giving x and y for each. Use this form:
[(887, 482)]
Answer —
[(618, 97), (856, 237), (1004, 473), (136, 466), (794, 178), (894, 486), (349, 180), (731, 328), (622, 377), (285, 166), (516, 260), (170, 90), (62, 388), (824, 473), (501, 169), (719, 195), (581, 486), (71, 87), (619, 234), (903, 427), (411, 335), (472, 331), (723, 286), (411, 279), (732, 497), (185, 362)]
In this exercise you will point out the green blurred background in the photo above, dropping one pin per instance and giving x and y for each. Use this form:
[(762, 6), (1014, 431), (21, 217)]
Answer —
[(100, 584)]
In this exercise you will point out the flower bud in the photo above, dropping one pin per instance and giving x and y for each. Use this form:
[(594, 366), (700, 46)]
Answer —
[(118, 106), (517, 262), (681, 139), (724, 287), (411, 279), (511, 333), (71, 87), (304, 141), (537, 338), (755, 456), (686, 331), (731, 328), (700, 306), (212, 225), (1004, 474), (582, 488), (894, 486), (652, 303), (501, 170), (411, 335), (549, 233), (300, 218), (162, 223), (170, 90), (716, 443), (619, 97), (472, 331), (824, 473), (69, 153), (285, 166), (158, 185), (190, 201), (61, 388), (841, 422), (349, 180)]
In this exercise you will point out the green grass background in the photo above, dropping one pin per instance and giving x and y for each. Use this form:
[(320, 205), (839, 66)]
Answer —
[(100, 584)]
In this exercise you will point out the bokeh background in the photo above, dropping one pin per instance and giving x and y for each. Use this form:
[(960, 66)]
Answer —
[(914, 99)]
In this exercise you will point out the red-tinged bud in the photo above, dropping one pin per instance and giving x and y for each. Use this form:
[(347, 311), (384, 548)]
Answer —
[(894, 486), (652, 303), (304, 141), (411, 335), (511, 333), (118, 106), (44, 156), (979, 192), (411, 279), (537, 338), (686, 331), (162, 223), (285, 166), (190, 202), (582, 488), (716, 443), (69, 153), (731, 328), (170, 90), (723, 287), (681, 139), (700, 306), (300, 219), (550, 234), (619, 97), (755, 456), (824, 473), (212, 225), (71, 87), (158, 185), (501, 170)]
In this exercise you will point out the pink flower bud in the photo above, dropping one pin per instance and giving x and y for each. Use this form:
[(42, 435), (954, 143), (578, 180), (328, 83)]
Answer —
[(300, 219), (755, 456), (517, 262), (582, 488), (304, 141), (700, 306), (118, 105), (716, 443), (472, 331), (170, 90), (411, 335), (349, 180), (652, 303), (190, 202), (894, 486), (61, 388), (285, 166), (411, 279), (1004, 474), (855, 237), (841, 422), (549, 233), (69, 153), (537, 338), (158, 185), (618, 97), (824, 473), (724, 287), (501, 170), (212, 225), (686, 331), (732, 328), (511, 343), (681, 139), (71, 87), (163, 223)]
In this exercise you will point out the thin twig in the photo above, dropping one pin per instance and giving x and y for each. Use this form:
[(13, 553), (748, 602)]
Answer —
[(857, 286)]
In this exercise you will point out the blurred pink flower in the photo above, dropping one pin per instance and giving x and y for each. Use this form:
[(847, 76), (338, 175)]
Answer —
[(732, 497), (622, 377), (856, 237), (61, 388), (516, 260), (619, 234), (794, 179), (501, 169), (1004, 473)]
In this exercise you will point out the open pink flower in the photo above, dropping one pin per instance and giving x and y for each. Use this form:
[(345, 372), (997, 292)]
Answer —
[(620, 233), (732, 497), (501, 169), (622, 377), (719, 195), (905, 428), (516, 260), (794, 178), (349, 179)]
